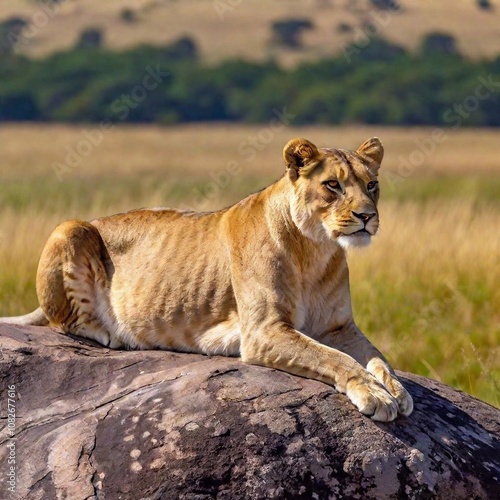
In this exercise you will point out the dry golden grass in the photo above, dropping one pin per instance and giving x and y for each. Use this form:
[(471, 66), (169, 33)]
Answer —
[(247, 25), (31, 150), (426, 291)]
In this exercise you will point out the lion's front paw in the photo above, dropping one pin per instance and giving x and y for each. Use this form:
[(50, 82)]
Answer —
[(372, 399), (382, 372), (401, 395)]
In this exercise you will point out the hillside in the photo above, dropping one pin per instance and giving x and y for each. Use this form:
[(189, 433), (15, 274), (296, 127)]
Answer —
[(233, 28)]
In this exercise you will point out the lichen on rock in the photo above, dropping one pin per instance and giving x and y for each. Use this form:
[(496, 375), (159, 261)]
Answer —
[(97, 423)]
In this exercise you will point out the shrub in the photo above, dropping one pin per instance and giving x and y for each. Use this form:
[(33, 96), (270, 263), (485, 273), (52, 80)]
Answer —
[(484, 4), (90, 38), (10, 33), (439, 43), (288, 32), (386, 4), (183, 48), (344, 28), (128, 15)]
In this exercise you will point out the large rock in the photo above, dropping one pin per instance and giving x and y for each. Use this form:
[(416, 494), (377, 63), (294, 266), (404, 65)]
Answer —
[(96, 423)]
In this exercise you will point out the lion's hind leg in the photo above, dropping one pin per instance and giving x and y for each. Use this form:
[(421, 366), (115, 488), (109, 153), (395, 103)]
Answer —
[(72, 281)]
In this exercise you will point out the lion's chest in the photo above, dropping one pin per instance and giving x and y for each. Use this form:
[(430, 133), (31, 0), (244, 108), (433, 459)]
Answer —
[(323, 302), (310, 318)]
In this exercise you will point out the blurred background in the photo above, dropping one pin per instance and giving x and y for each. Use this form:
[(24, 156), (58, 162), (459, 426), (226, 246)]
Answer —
[(109, 106)]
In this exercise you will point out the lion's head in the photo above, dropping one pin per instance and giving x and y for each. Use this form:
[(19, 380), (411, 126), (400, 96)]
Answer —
[(335, 191)]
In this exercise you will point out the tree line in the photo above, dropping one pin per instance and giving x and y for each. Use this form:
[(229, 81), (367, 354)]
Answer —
[(380, 83)]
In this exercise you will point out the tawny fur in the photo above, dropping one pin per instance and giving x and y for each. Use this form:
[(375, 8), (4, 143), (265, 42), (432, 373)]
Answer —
[(265, 279)]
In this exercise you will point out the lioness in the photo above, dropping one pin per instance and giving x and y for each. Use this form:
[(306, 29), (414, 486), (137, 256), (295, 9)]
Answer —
[(265, 279)]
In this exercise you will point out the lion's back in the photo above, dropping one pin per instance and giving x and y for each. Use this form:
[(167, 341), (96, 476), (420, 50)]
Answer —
[(167, 264)]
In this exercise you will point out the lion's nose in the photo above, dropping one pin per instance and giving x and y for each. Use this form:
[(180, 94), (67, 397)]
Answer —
[(365, 216)]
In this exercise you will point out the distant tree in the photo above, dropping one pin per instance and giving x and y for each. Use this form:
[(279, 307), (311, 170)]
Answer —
[(377, 50), (484, 4), (91, 38), (128, 15), (386, 4), (16, 24), (18, 107), (288, 32), (379, 83), (439, 43), (183, 48), (344, 28), (11, 34)]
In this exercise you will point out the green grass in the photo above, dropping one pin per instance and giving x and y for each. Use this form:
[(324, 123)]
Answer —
[(444, 330), (434, 329), (444, 187), (105, 191)]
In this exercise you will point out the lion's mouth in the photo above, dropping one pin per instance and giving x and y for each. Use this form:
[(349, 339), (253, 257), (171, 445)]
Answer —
[(361, 232)]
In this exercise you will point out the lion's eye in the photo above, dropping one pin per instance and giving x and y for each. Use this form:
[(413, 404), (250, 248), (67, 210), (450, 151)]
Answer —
[(372, 185), (333, 185)]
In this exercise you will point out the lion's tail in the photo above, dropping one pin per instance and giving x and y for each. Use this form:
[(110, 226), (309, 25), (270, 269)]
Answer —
[(36, 318)]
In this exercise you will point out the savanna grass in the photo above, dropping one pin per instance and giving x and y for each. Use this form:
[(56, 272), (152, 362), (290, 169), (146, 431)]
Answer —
[(426, 291)]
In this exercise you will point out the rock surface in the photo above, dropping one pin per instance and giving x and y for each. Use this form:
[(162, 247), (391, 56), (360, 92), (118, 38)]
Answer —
[(96, 423)]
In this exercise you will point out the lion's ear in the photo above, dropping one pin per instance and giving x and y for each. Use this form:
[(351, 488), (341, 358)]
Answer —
[(373, 150), (298, 153)]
